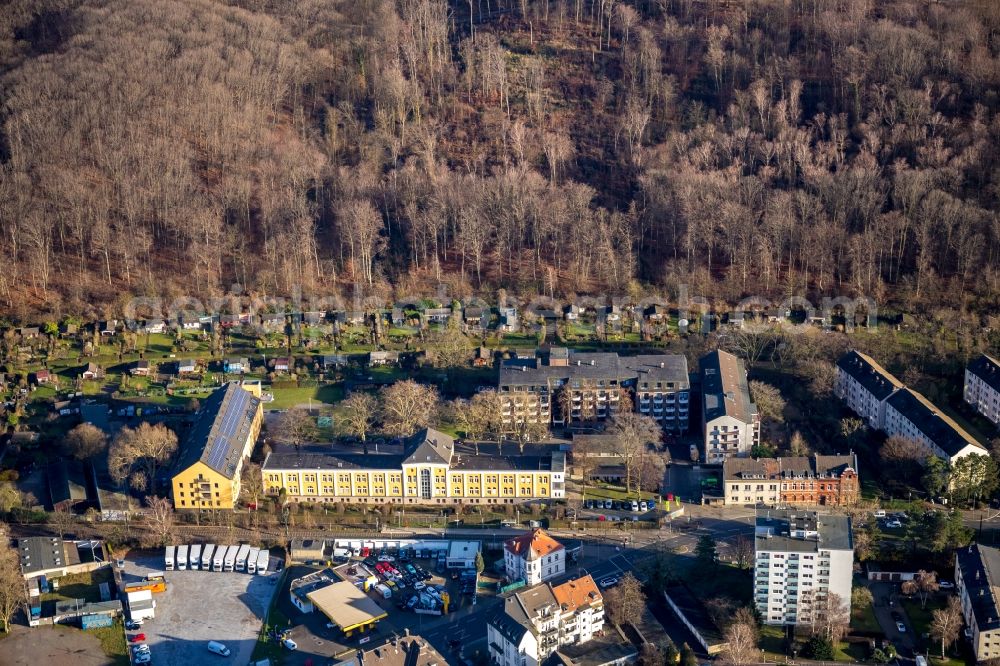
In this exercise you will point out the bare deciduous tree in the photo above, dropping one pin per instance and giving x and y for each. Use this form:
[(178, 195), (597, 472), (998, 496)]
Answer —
[(85, 441), (407, 406), (160, 518)]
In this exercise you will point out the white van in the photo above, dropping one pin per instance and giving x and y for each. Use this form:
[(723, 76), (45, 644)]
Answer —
[(879, 514), (218, 648)]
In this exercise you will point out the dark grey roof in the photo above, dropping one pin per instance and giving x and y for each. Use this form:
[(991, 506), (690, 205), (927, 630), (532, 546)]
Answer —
[(987, 369), (774, 531), (320, 457), (510, 628), (938, 427), (814, 466), (221, 430), (42, 553), (724, 387), (979, 566), (644, 369), (532, 601), (489, 459), (429, 446), (873, 377)]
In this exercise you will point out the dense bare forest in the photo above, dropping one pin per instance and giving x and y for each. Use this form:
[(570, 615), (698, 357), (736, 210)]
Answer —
[(165, 147)]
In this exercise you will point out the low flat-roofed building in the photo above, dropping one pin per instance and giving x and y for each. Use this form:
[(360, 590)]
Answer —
[(53, 557), (462, 554), (347, 607), (307, 551)]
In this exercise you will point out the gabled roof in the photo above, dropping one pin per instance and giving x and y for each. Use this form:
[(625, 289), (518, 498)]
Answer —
[(980, 566), (866, 371), (429, 446), (509, 627), (532, 545), (724, 387), (221, 430), (814, 466), (932, 422), (987, 369)]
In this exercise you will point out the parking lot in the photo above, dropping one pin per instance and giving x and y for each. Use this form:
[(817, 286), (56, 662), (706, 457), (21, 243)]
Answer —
[(317, 641), (202, 606)]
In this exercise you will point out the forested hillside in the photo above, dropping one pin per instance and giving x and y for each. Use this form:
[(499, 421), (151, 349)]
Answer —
[(166, 147)]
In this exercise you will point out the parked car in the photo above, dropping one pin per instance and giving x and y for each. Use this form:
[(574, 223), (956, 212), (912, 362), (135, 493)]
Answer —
[(634, 505), (608, 582), (132, 625), (946, 585), (893, 524), (218, 648), (142, 658), (138, 638), (138, 649), (900, 627)]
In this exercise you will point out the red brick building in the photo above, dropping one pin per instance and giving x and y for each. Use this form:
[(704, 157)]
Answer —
[(797, 481)]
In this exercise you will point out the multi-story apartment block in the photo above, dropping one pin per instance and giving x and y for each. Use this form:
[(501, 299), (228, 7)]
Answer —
[(982, 387), (801, 481), (887, 405), (213, 453), (432, 469), (537, 621), (730, 422), (801, 559), (864, 386), (911, 415), (533, 557), (564, 386), (976, 569)]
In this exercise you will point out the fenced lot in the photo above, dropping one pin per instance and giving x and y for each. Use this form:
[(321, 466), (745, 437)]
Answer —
[(202, 606)]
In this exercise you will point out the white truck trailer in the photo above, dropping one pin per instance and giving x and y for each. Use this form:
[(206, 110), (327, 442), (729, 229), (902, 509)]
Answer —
[(252, 560), (262, 560), (219, 558), (241, 557), (168, 558), (230, 560), (195, 561), (182, 557), (206, 556)]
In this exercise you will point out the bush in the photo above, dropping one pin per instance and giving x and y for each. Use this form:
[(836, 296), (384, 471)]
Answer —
[(818, 647)]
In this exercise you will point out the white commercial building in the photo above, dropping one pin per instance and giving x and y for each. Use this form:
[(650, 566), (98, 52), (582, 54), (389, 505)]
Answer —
[(982, 387), (802, 558), (533, 557), (730, 422), (975, 569), (537, 621)]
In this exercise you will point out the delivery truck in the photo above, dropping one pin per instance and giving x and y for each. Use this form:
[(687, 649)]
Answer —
[(182, 557), (252, 560), (195, 561), (262, 560), (168, 558), (230, 560)]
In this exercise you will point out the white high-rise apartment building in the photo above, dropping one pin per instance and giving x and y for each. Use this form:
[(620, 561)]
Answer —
[(802, 558)]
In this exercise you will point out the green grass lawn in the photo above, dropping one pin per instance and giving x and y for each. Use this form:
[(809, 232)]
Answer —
[(113, 642), (286, 398), (772, 643), (863, 619), (605, 491), (81, 586)]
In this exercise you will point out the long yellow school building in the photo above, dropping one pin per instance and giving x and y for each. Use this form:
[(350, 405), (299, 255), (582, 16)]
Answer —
[(432, 469), (207, 474)]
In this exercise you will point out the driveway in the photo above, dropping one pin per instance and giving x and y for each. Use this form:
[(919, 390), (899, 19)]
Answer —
[(887, 603)]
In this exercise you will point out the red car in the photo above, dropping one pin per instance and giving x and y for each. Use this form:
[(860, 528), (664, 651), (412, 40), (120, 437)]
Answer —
[(365, 552), (138, 638)]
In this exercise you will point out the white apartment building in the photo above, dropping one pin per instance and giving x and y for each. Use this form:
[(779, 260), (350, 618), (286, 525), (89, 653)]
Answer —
[(982, 387), (975, 569), (537, 621), (864, 386), (911, 415), (801, 558), (533, 557), (887, 405), (730, 422)]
